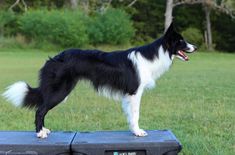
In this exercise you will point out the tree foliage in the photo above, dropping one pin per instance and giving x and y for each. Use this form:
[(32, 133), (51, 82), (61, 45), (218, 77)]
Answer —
[(65, 28), (193, 35), (75, 29), (111, 27), (7, 18), (147, 16)]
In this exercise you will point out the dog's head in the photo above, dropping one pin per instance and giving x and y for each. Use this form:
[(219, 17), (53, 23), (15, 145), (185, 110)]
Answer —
[(176, 45)]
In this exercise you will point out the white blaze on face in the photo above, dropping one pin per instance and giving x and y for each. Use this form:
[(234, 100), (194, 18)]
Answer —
[(190, 47)]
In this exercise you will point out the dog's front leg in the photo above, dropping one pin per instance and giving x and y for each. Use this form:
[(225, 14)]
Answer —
[(131, 107)]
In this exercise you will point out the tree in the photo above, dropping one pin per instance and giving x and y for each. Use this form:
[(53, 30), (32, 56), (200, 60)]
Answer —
[(132, 3), (168, 13), (225, 6), (17, 2), (90, 6), (74, 4)]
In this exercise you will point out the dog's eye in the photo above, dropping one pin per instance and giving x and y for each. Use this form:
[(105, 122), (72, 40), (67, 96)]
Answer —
[(181, 41)]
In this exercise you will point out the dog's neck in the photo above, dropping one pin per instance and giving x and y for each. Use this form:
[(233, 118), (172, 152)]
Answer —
[(150, 69), (161, 63)]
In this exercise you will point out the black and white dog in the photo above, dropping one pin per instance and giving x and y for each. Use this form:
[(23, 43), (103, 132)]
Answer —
[(120, 74)]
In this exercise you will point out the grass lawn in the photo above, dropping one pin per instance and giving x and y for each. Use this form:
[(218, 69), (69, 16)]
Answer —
[(195, 99)]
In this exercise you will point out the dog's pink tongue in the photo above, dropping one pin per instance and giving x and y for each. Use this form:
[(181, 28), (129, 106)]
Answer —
[(181, 53)]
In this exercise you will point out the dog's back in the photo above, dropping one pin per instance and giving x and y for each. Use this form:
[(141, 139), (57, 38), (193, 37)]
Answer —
[(117, 74)]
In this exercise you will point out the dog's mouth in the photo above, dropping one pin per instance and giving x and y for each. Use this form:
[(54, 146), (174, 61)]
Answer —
[(181, 55)]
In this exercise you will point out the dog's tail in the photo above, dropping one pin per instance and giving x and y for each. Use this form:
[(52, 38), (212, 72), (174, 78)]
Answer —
[(21, 94)]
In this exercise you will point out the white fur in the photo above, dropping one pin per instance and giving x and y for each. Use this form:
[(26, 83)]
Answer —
[(43, 133), (110, 93), (191, 47), (148, 72), (16, 93), (131, 107), (46, 130)]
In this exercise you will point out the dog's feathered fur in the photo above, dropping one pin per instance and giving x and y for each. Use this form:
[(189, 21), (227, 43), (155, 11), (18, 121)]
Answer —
[(126, 73)]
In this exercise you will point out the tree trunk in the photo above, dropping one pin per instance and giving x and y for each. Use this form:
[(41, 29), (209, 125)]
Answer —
[(74, 4), (85, 5), (205, 38), (168, 13), (208, 28)]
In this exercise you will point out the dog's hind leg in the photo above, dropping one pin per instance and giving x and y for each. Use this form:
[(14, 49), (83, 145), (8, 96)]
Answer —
[(41, 112), (131, 107), (51, 99), (39, 121)]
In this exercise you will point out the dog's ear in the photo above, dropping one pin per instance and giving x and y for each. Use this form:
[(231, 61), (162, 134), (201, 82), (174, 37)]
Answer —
[(170, 30), (168, 36)]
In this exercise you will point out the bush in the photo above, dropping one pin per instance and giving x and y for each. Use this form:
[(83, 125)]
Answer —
[(193, 35), (112, 27), (6, 19), (66, 28), (74, 29)]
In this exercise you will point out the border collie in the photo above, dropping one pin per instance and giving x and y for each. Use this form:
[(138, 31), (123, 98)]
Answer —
[(121, 75)]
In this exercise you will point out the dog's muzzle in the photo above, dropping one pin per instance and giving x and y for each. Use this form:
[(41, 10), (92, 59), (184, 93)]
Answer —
[(189, 49)]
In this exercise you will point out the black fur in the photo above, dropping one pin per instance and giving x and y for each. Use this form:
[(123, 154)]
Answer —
[(60, 74)]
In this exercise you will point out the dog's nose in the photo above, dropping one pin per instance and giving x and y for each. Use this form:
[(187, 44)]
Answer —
[(195, 47)]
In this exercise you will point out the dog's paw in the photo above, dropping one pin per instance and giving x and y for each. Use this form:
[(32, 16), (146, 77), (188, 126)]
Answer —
[(46, 130), (42, 134), (140, 133)]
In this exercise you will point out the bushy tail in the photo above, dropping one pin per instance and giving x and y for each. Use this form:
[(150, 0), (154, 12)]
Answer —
[(21, 94)]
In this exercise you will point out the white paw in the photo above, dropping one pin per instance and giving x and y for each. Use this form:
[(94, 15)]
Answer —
[(140, 133), (46, 130), (42, 134)]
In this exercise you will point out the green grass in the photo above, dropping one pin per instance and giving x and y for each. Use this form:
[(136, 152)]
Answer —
[(195, 99)]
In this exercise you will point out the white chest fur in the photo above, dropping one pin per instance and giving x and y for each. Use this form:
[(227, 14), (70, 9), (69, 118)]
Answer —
[(148, 70)]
